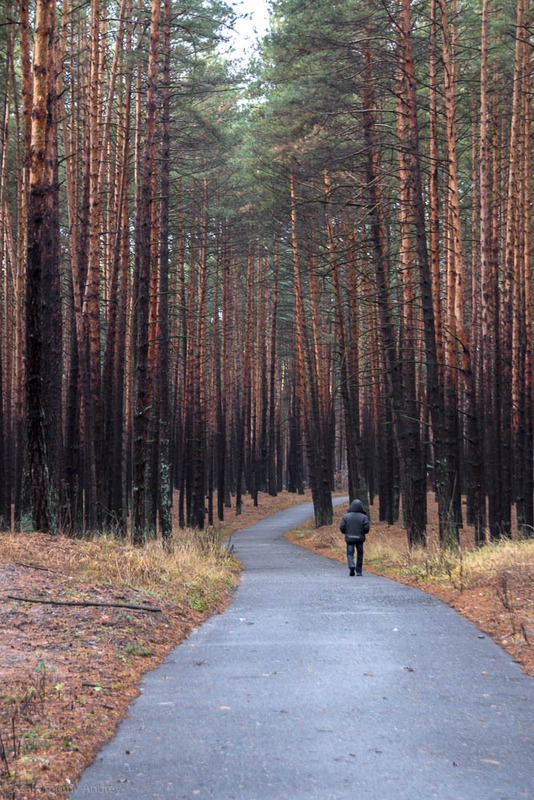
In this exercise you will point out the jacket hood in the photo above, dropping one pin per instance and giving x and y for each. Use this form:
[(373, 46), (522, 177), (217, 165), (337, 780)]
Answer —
[(355, 506)]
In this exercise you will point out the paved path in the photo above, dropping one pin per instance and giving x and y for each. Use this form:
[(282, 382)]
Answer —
[(317, 686)]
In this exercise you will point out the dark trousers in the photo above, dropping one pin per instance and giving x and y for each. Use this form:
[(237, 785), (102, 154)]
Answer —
[(359, 557)]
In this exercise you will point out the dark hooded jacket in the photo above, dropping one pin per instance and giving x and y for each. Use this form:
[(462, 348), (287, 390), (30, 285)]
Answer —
[(355, 524)]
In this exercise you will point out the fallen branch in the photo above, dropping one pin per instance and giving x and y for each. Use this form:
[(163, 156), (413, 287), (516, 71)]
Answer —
[(32, 566), (82, 603)]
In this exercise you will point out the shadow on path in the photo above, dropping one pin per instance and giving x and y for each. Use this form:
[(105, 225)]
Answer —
[(317, 686)]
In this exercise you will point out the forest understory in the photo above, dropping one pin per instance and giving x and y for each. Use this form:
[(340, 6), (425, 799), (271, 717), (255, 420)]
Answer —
[(70, 672)]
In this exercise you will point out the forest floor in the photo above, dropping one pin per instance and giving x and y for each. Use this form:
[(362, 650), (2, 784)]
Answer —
[(69, 672)]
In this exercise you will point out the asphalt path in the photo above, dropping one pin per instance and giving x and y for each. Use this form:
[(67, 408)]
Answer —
[(317, 686)]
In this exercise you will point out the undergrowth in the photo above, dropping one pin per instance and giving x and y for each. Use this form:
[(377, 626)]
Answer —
[(191, 568)]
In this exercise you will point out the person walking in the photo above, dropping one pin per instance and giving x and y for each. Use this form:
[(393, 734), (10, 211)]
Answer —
[(355, 524)]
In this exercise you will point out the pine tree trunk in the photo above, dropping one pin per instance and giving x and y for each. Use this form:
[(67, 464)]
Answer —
[(414, 490), (142, 292), (272, 482), (526, 433), (38, 255), (487, 270), (164, 465), (5, 516), (512, 247), (249, 356), (91, 294), (198, 410), (307, 399), (413, 483), (443, 480), (348, 366), (433, 192)]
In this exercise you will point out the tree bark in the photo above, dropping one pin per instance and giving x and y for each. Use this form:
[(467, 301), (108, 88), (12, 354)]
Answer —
[(142, 291), (443, 479), (38, 255), (164, 465), (306, 395)]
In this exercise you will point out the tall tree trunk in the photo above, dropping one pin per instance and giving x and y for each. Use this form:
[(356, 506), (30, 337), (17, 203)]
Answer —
[(272, 483), (24, 163), (220, 421), (4, 491), (487, 268), (198, 410), (443, 479), (40, 242), (456, 322), (412, 476), (453, 259), (164, 465), (307, 398), (348, 368), (512, 250), (248, 362), (7, 268), (526, 433), (433, 190), (91, 294), (409, 340), (51, 290), (142, 290)]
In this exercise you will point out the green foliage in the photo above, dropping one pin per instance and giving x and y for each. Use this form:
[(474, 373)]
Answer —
[(138, 649), (199, 597), (33, 739)]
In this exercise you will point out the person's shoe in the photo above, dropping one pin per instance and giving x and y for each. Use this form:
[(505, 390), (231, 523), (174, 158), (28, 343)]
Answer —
[(359, 574), (351, 573)]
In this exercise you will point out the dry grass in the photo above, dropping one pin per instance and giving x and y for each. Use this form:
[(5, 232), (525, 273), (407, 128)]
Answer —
[(156, 569), (193, 563), (192, 570), (387, 551), (463, 568)]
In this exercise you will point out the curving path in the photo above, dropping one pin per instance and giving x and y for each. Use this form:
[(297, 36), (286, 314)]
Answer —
[(317, 686)]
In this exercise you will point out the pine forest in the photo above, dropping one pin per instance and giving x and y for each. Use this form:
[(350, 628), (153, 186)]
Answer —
[(312, 269)]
